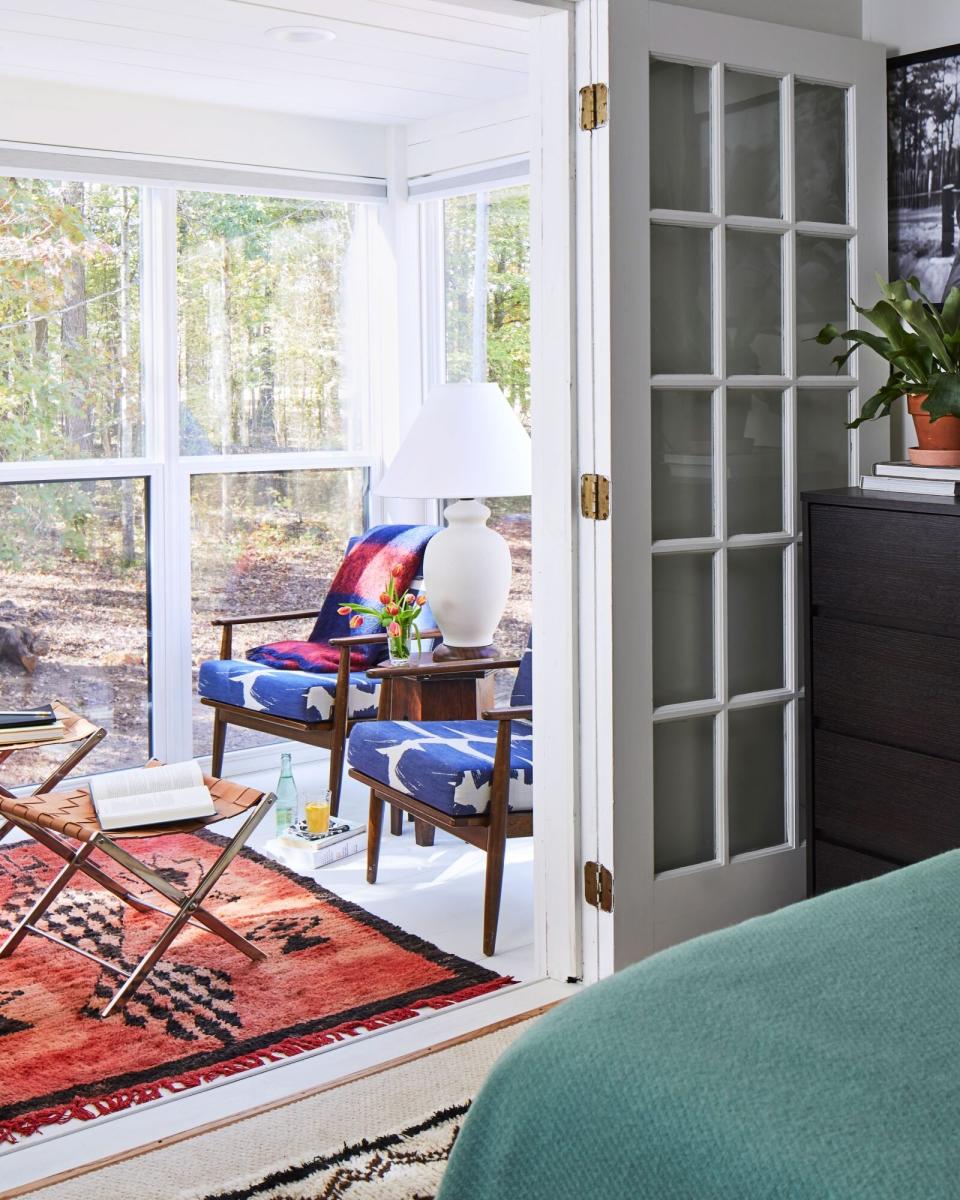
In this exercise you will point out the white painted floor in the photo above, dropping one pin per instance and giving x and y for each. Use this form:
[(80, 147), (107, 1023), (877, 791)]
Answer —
[(435, 892)]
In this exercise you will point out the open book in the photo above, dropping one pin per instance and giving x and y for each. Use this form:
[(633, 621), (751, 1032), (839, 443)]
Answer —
[(151, 796)]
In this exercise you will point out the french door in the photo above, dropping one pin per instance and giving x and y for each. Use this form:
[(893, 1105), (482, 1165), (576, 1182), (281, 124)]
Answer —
[(738, 202)]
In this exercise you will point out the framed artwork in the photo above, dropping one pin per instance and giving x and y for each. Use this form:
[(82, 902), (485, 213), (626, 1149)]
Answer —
[(923, 160)]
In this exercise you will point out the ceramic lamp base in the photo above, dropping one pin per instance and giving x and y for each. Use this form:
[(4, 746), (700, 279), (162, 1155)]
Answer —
[(466, 574)]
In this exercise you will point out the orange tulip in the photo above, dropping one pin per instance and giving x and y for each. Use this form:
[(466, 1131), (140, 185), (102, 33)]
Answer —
[(396, 570), (394, 630), (356, 622), (384, 597), (422, 599), (344, 611), (393, 609)]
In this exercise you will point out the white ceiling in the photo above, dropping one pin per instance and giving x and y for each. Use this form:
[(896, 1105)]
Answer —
[(393, 61)]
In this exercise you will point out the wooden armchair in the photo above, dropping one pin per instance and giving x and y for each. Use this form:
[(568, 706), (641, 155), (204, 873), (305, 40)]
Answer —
[(472, 778), (342, 699)]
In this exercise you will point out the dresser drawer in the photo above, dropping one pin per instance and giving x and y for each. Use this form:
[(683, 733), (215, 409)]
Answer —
[(890, 802), (836, 867), (882, 563), (887, 685)]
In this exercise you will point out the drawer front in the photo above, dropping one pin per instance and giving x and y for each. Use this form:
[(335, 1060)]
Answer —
[(880, 563), (890, 802), (887, 685), (836, 867)]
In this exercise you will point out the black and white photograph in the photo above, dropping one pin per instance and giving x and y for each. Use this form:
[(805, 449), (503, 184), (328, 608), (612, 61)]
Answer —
[(924, 168)]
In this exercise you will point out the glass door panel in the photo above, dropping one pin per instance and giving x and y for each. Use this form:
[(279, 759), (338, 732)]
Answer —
[(680, 136), (756, 780), (823, 294), (682, 437), (755, 620), (681, 310), (752, 142), (820, 141), (754, 461), (754, 304), (683, 770), (683, 621)]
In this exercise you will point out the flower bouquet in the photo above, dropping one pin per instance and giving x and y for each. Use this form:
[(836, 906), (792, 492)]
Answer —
[(398, 616)]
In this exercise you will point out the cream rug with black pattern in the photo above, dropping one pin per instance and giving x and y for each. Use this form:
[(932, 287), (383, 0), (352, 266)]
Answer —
[(386, 1136)]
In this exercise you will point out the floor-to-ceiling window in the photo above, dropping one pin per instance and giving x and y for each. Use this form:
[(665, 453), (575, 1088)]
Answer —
[(479, 244), (184, 430)]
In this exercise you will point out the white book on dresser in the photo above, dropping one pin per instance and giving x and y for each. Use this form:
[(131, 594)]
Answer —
[(910, 487)]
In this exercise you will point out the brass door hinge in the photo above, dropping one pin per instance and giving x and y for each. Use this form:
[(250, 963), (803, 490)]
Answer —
[(595, 497), (598, 886), (593, 106)]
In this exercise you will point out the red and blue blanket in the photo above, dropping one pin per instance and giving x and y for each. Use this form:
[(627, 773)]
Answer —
[(360, 580)]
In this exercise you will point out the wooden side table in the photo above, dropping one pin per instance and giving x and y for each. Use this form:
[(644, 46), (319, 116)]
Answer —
[(422, 690)]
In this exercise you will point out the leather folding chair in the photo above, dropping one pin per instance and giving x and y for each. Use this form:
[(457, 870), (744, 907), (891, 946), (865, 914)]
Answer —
[(56, 820)]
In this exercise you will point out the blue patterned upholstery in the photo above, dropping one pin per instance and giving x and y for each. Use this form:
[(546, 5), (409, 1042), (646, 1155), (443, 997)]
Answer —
[(448, 765), (301, 695), (522, 694)]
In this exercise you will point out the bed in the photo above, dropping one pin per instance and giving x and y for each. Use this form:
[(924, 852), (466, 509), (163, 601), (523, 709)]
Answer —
[(812, 1054)]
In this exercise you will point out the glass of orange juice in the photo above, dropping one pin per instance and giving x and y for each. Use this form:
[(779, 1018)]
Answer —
[(316, 807)]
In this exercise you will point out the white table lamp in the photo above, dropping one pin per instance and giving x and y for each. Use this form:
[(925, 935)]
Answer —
[(465, 442)]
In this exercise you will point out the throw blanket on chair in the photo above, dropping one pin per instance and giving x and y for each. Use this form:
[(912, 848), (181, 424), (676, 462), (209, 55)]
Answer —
[(360, 580)]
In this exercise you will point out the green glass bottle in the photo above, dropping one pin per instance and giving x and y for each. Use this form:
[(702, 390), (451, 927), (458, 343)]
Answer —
[(287, 803)]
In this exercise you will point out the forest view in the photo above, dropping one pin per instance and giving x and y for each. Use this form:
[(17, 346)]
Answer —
[(923, 161), (272, 356)]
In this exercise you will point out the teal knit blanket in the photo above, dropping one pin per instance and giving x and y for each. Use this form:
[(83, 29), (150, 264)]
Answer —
[(813, 1054)]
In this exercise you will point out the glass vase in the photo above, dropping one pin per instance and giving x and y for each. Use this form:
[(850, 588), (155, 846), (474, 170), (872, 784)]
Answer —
[(398, 646)]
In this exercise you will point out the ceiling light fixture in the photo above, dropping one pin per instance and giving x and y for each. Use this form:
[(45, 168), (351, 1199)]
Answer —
[(301, 34)]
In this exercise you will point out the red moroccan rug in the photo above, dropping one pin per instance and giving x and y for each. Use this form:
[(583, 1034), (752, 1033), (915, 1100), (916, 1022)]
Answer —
[(206, 1012)]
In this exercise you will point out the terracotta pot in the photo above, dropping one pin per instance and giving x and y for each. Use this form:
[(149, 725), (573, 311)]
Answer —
[(939, 440)]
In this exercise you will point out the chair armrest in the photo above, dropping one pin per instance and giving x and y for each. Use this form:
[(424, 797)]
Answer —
[(372, 639), (257, 618), (450, 666), (517, 713)]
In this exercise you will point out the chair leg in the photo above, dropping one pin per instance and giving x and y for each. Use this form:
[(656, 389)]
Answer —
[(396, 821), (374, 832), (496, 839), (424, 832), (219, 744), (335, 780)]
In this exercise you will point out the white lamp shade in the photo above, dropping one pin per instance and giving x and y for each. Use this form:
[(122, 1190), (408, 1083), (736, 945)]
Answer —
[(465, 442)]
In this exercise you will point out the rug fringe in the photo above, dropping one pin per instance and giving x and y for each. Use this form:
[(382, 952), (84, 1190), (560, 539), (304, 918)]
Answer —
[(86, 1108)]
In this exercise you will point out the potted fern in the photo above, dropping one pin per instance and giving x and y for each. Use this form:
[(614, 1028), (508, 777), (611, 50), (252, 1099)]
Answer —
[(921, 344)]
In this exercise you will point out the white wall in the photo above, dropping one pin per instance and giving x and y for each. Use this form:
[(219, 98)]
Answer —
[(44, 113), (919, 25), (489, 133), (824, 16)]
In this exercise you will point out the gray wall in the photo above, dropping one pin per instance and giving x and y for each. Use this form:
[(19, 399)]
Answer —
[(917, 25), (826, 16)]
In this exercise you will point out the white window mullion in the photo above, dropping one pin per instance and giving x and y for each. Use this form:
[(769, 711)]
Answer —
[(169, 507)]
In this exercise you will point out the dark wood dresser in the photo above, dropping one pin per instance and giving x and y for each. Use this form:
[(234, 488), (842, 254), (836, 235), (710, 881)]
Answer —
[(882, 677)]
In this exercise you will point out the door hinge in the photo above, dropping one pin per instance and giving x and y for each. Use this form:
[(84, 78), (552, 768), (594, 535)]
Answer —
[(593, 106), (595, 497), (598, 886)]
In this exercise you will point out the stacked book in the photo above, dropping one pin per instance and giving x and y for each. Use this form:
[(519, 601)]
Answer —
[(914, 480), (30, 725)]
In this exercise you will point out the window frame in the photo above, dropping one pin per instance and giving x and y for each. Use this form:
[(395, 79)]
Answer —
[(167, 473)]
